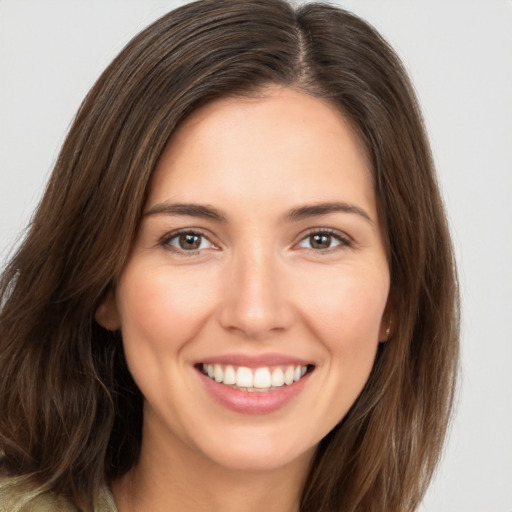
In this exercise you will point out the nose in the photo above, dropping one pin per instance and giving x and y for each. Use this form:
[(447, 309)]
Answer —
[(255, 296)]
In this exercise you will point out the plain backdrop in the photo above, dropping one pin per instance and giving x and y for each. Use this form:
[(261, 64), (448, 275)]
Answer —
[(459, 53)]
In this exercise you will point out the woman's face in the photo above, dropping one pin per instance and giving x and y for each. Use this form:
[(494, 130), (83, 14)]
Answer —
[(259, 258)]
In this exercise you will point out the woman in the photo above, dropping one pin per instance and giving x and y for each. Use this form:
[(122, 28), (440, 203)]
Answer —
[(238, 290)]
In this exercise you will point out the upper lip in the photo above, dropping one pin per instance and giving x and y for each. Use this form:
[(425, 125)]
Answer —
[(255, 360)]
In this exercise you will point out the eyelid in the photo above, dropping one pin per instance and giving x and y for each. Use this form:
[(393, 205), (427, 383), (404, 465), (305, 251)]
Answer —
[(344, 239), (165, 239)]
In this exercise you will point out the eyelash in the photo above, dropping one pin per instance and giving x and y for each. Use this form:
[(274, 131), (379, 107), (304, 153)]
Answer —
[(344, 240), (168, 238)]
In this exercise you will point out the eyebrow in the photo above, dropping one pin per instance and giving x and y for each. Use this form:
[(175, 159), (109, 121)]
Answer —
[(188, 209), (294, 215), (314, 210)]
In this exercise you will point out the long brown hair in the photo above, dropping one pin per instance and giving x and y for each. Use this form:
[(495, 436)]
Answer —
[(70, 412)]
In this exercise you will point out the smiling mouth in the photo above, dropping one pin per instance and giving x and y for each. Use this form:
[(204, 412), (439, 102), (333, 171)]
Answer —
[(263, 378)]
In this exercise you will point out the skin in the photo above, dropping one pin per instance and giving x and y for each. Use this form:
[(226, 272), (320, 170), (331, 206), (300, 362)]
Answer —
[(256, 285)]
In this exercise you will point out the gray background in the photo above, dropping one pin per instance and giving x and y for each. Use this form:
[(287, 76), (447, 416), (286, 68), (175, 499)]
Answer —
[(459, 53)]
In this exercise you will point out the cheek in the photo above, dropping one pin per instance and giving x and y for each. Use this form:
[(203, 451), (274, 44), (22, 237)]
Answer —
[(345, 315), (343, 312), (160, 309), (349, 303)]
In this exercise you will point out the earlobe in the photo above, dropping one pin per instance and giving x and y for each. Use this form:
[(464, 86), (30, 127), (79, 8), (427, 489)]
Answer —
[(387, 327), (388, 320), (385, 331), (106, 313), (387, 324)]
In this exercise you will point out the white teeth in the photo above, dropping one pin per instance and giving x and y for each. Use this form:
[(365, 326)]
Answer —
[(244, 377), (256, 379), (229, 375), (218, 373), (277, 378), (262, 378)]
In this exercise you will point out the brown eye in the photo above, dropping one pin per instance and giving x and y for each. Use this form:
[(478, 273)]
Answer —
[(187, 241), (320, 241), (323, 241)]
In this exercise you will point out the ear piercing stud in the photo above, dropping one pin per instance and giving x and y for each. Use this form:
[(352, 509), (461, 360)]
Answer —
[(388, 329)]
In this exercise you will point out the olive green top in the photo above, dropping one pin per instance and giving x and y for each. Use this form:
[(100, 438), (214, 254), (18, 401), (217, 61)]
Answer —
[(15, 497)]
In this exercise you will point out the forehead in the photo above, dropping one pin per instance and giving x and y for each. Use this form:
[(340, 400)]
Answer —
[(282, 145)]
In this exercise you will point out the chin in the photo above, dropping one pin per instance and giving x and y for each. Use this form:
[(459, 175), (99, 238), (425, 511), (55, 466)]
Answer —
[(258, 453)]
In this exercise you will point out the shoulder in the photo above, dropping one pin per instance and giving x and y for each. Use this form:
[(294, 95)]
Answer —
[(16, 496)]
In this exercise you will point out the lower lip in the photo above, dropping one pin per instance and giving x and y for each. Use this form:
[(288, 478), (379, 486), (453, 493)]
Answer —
[(253, 402)]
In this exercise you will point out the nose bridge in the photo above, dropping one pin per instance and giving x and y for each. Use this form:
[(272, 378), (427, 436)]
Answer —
[(255, 301)]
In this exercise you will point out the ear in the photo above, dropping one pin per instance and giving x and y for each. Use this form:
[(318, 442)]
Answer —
[(106, 313), (385, 330), (387, 322)]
